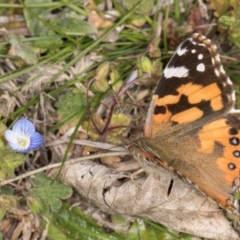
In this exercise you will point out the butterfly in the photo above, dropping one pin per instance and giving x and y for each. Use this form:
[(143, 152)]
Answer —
[(191, 127)]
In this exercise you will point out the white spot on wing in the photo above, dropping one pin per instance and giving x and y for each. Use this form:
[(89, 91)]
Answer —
[(222, 70), (200, 56), (233, 96), (178, 72), (216, 72), (193, 51), (202, 44), (236, 154), (213, 61), (218, 58), (234, 141), (200, 67), (181, 51), (233, 110), (229, 81)]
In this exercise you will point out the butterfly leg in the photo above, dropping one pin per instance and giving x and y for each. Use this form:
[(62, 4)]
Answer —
[(134, 174)]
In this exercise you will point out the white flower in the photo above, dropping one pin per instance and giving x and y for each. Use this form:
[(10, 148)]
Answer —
[(23, 137)]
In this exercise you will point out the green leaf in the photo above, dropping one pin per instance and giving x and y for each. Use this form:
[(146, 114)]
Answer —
[(144, 9), (37, 22), (144, 230), (9, 160), (22, 50), (74, 224), (146, 65), (6, 190), (115, 80), (231, 18), (35, 26), (78, 227), (73, 26), (7, 202), (77, 211), (49, 192), (133, 232), (34, 204), (54, 231), (69, 103), (148, 232)]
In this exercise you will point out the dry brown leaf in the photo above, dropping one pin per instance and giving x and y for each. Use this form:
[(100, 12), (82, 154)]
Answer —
[(185, 209), (21, 224), (100, 21), (7, 104), (110, 160), (197, 21)]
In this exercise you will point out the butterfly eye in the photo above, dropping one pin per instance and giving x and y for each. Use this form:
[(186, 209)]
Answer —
[(231, 166), (236, 154), (234, 141)]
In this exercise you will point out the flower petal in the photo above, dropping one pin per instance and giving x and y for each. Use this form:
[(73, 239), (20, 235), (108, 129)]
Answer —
[(17, 148), (23, 137), (36, 140), (10, 136), (24, 125)]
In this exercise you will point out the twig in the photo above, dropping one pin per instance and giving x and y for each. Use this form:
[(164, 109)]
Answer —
[(100, 145), (28, 174)]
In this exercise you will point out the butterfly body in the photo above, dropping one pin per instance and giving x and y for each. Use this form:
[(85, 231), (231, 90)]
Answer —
[(191, 127)]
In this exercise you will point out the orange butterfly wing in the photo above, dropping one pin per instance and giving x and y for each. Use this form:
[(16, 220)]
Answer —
[(189, 129)]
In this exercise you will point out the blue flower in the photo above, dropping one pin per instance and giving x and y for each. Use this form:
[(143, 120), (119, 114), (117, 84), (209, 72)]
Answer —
[(23, 137)]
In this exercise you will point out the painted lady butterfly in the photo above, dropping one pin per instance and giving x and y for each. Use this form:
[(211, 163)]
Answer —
[(191, 126)]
